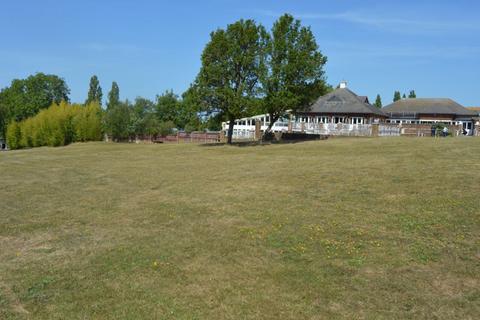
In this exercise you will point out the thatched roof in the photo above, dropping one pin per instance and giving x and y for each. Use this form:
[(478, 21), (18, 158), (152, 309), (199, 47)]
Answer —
[(344, 101)]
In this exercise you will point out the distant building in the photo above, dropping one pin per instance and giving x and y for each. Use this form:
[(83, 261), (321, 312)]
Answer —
[(341, 106), (429, 111)]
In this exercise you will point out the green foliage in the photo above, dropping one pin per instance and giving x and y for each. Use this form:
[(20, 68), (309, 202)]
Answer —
[(141, 116), (151, 124), (412, 94), (189, 107), (378, 101), (88, 124), (118, 121), (293, 75), (214, 122), (4, 117), (58, 125), (167, 106), (166, 128), (397, 96), (113, 96), (228, 80), (13, 135), (94, 92), (26, 97)]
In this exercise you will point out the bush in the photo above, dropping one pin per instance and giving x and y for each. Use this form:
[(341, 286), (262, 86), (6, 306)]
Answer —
[(166, 128), (87, 123), (13, 135), (57, 126)]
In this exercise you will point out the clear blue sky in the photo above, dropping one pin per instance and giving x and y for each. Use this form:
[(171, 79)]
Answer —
[(151, 46)]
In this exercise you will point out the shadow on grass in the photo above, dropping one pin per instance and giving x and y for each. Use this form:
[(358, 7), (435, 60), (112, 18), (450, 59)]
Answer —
[(255, 143)]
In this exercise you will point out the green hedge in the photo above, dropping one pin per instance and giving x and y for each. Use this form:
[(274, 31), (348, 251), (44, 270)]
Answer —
[(58, 125)]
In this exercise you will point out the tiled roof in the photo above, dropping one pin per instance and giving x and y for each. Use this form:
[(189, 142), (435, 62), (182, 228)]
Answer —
[(428, 106)]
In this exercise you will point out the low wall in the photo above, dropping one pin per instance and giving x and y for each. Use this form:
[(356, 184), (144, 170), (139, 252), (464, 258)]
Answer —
[(180, 137), (425, 130)]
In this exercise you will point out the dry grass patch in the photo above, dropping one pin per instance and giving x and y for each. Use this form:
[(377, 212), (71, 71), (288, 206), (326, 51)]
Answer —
[(343, 228)]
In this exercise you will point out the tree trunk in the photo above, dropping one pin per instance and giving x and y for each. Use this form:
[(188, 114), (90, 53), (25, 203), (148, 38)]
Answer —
[(231, 123), (270, 125)]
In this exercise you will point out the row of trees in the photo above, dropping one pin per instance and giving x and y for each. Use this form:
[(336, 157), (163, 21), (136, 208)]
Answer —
[(26, 97), (58, 125), (245, 70), (143, 117), (397, 95)]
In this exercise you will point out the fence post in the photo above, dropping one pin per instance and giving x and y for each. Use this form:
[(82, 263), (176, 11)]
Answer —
[(257, 130)]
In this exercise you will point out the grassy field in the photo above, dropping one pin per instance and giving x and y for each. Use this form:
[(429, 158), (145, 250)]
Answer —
[(385, 228)]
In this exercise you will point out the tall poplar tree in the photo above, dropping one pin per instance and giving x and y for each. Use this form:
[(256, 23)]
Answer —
[(113, 96), (94, 92), (397, 96), (378, 101)]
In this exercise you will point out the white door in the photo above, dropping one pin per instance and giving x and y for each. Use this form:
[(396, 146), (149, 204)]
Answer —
[(467, 126)]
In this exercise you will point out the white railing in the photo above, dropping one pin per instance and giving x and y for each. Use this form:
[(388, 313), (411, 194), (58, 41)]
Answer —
[(388, 130), (243, 134), (334, 129)]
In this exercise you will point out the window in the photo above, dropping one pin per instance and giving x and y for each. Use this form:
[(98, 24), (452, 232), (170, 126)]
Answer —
[(339, 119), (357, 120)]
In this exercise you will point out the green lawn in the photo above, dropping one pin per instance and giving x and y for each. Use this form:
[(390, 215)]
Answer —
[(385, 228)]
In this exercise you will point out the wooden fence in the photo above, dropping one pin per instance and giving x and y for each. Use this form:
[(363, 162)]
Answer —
[(193, 137)]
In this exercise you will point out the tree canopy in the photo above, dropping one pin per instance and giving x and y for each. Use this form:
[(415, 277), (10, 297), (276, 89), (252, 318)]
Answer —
[(294, 74), (412, 94), (26, 97), (228, 81)]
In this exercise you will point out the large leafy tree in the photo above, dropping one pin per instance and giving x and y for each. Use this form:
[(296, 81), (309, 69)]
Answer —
[(228, 80), (142, 115), (113, 96), (26, 97), (167, 106), (294, 75), (94, 92), (412, 94)]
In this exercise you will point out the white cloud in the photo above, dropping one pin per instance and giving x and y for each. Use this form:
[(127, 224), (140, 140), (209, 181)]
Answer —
[(386, 23)]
